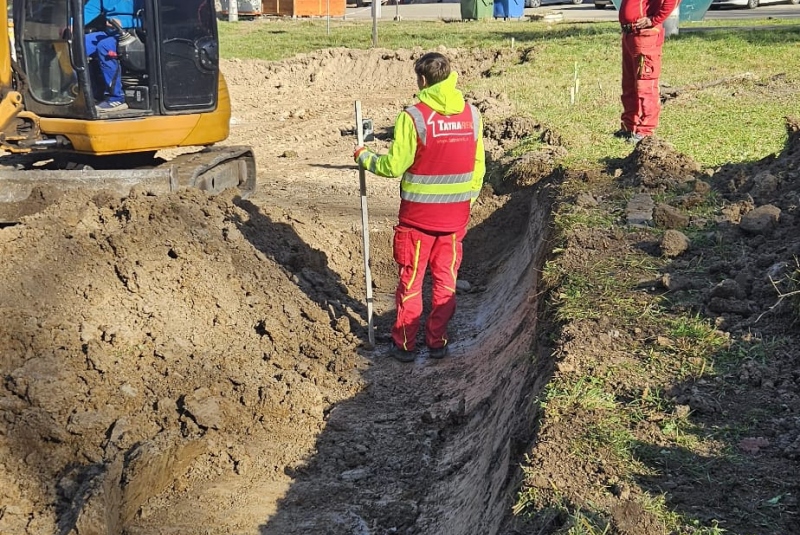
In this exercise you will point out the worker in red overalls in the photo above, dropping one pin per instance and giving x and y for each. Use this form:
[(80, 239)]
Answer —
[(642, 40), (438, 150)]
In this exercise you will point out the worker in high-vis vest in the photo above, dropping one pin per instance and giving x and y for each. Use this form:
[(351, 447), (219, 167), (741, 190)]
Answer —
[(438, 151)]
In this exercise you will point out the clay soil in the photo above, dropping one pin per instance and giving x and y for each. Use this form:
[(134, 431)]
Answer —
[(193, 364)]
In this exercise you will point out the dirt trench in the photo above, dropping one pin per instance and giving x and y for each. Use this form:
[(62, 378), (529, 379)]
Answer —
[(186, 364)]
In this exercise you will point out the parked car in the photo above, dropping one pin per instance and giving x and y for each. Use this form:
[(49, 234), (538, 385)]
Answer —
[(749, 4), (538, 3), (602, 4)]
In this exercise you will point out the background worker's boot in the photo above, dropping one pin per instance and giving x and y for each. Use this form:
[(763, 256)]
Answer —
[(623, 133)]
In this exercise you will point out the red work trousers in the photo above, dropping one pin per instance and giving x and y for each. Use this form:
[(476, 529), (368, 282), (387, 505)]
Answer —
[(641, 68), (414, 251)]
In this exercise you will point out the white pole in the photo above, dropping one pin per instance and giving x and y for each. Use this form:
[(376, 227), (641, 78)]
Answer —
[(376, 12), (233, 10), (362, 178), (375, 23)]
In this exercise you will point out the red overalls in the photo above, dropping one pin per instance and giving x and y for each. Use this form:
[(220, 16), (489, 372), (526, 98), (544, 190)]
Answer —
[(641, 63), (434, 211)]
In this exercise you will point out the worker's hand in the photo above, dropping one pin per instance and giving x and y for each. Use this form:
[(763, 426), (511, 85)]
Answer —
[(643, 23), (357, 153)]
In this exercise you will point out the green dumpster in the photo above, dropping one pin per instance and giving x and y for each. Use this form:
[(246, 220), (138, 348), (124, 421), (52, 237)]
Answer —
[(477, 9)]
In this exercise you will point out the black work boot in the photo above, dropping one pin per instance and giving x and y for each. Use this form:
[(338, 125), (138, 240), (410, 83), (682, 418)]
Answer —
[(401, 354), (623, 133), (438, 352), (636, 138)]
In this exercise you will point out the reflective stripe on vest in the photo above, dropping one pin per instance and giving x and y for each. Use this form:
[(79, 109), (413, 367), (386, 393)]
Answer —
[(433, 128)]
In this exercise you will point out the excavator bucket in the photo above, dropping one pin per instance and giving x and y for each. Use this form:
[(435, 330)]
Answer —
[(214, 169), (24, 193)]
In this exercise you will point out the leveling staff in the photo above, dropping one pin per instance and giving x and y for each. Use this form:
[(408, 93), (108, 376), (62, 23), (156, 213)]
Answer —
[(438, 151)]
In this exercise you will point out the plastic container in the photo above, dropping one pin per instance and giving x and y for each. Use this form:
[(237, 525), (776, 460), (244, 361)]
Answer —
[(477, 9), (693, 10), (509, 9), (671, 24)]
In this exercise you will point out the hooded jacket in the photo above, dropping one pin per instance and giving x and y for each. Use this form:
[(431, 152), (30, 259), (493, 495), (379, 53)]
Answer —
[(445, 99)]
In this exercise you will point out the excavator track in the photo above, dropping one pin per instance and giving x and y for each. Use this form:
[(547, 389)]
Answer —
[(214, 169)]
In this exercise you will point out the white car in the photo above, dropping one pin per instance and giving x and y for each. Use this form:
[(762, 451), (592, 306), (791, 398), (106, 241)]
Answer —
[(749, 4)]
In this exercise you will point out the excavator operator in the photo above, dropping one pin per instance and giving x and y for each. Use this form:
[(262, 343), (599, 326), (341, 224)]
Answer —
[(104, 16)]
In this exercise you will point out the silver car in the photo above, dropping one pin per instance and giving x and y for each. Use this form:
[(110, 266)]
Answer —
[(749, 4)]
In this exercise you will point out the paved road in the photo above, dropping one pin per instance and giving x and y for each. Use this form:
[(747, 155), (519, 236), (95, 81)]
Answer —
[(571, 13)]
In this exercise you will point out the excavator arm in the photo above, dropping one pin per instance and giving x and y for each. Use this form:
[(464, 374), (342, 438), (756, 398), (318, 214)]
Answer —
[(10, 100)]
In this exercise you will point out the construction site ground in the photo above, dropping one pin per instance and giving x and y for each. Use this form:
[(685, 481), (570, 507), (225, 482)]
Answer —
[(192, 364)]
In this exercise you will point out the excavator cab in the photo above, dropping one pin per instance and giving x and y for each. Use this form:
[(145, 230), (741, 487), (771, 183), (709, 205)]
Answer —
[(169, 62), (176, 97)]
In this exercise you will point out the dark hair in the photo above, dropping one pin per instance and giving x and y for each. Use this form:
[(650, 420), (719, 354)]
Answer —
[(433, 66)]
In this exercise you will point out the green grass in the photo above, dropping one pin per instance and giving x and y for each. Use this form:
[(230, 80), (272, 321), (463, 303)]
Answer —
[(714, 125), (587, 393)]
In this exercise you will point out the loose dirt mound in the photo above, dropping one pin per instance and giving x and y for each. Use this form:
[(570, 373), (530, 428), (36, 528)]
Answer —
[(127, 320)]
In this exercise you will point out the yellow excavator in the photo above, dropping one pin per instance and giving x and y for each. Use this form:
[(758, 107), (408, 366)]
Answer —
[(53, 139)]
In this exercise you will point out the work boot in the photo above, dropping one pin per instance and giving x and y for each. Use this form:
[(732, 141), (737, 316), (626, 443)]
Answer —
[(623, 133), (438, 352), (636, 138), (401, 354), (111, 106)]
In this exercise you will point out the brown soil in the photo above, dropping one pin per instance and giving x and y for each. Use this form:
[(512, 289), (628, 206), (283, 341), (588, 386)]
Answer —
[(186, 364)]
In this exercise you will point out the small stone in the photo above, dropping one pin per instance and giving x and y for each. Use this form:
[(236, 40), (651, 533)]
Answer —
[(761, 220), (674, 243)]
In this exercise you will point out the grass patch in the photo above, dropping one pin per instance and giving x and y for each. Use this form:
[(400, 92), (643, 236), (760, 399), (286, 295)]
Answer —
[(715, 125)]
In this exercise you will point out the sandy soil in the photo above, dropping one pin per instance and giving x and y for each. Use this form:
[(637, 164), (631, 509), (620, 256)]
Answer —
[(186, 364)]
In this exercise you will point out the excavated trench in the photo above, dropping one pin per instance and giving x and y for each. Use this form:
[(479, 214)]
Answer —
[(186, 364), (441, 441)]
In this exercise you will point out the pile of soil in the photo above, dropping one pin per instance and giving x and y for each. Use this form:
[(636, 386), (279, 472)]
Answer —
[(149, 333)]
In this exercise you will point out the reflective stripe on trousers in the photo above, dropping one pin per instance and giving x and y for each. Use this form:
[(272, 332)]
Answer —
[(415, 250)]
